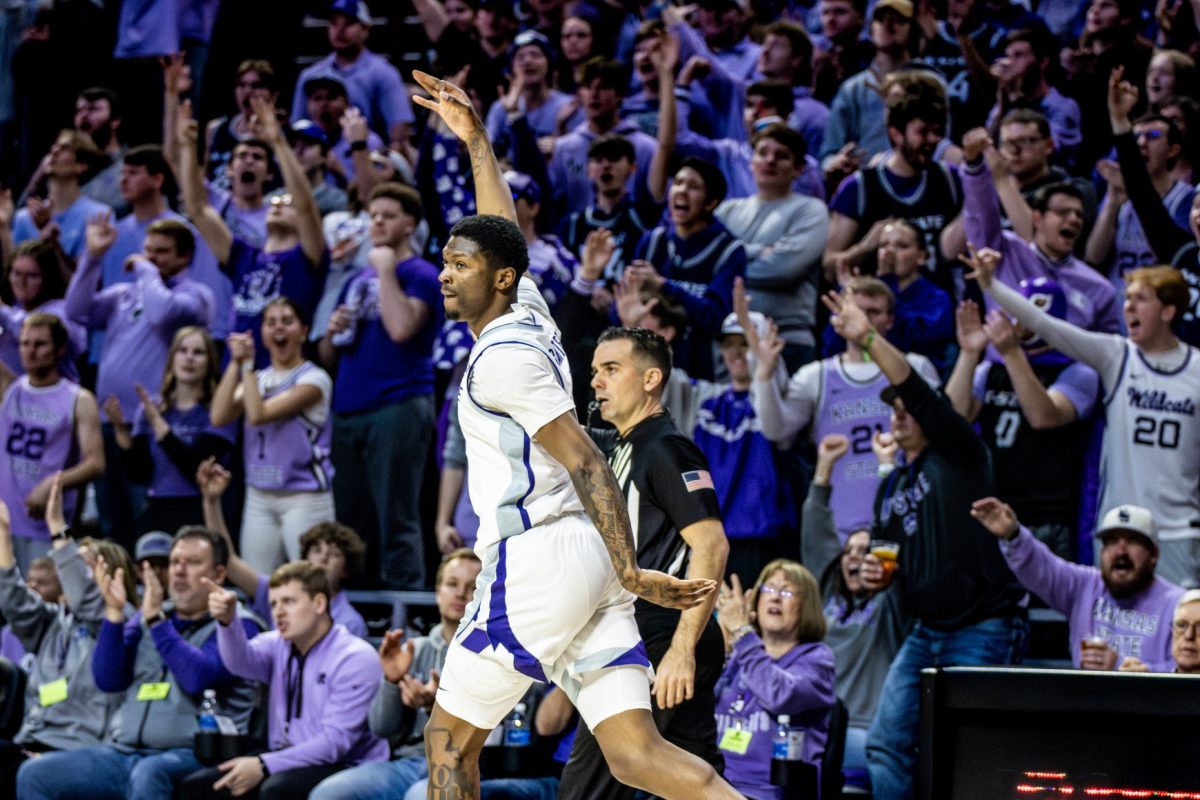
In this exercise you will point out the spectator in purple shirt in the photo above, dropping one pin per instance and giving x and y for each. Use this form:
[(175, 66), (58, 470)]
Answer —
[(777, 666), (1122, 602), (71, 156), (321, 679), (291, 261), (374, 84), (172, 434), (380, 343)]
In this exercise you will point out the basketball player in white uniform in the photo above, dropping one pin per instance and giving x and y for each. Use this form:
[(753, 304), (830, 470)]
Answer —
[(1151, 390), (553, 601)]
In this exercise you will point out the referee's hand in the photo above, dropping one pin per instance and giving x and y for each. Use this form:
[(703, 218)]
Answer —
[(663, 590)]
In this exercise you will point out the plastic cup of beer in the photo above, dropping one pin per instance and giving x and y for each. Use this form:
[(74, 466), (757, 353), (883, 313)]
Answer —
[(888, 553)]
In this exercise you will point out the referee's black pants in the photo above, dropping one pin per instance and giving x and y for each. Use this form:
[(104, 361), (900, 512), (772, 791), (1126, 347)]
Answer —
[(691, 725)]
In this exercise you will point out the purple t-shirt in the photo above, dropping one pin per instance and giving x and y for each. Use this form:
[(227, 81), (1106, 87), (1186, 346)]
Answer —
[(259, 277), (374, 87), (37, 425), (249, 225), (167, 480), (72, 224), (373, 370), (755, 689), (1138, 626)]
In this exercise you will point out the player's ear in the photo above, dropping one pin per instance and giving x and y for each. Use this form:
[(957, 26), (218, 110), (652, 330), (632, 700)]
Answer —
[(506, 279)]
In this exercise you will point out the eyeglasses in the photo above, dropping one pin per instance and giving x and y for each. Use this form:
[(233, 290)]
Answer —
[(1186, 629), (281, 200), (1152, 134), (771, 590)]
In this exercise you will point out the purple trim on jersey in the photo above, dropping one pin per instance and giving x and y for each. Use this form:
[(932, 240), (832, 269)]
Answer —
[(634, 656), (499, 629), (477, 641), (37, 426), (529, 473)]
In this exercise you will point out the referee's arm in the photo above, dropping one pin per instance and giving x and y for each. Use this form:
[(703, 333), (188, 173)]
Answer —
[(675, 675)]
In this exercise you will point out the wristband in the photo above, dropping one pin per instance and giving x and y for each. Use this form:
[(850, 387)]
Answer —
[(62, 535), (266, 770), (246, 367), (358, 147), (157, 618), (866, 345), (739, 632)]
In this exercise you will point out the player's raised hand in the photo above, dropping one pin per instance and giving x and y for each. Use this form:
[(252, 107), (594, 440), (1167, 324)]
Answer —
[(664, 590), (450, 103)]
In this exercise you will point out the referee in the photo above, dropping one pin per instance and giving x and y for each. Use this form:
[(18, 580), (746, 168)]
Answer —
[(677, 529)]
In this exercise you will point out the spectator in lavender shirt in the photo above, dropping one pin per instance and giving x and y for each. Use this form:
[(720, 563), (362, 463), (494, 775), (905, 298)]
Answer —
[(529, 95), (1056, 221), (326, 102), (315, 728), (71, 156), (311, 148), (777, 665), (374, 84), (1122, 602), (171, 434)]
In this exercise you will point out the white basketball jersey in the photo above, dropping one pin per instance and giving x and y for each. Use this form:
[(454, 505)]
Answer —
[(1151, 451), (517, 380)]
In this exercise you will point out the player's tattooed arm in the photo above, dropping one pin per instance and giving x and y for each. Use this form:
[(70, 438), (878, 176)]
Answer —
[(601, 496)]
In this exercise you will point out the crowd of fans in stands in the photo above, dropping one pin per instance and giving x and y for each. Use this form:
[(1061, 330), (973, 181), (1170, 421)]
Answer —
[(929, 270)]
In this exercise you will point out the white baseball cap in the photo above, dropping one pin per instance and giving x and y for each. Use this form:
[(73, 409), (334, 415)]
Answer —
[(731, 324), (1129, 518)]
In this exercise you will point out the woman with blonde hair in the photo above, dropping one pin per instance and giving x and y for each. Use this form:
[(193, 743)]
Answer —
[(171, 434), (778, 666)]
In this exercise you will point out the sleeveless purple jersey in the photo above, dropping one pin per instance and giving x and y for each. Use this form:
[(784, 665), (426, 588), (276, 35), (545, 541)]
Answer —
[(853, 409), (289, 454), (37, 424)]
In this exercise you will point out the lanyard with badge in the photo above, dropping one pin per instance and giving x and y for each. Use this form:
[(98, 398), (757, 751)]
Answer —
[(737, 736)]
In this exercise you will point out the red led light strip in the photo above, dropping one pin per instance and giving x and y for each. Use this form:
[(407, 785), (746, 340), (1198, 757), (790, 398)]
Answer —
[(1027, 788)]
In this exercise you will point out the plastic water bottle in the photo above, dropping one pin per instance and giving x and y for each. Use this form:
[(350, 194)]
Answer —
[(516, 728), (208, 736), (781, 751), (797, 778)]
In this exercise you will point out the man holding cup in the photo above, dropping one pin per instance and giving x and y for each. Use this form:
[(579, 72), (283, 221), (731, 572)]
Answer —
[(1117, 611), (966, 602)]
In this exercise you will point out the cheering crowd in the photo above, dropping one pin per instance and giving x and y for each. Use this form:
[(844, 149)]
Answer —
[(915, 282)]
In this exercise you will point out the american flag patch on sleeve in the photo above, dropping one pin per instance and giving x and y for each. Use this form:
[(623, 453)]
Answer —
[(698, 479)]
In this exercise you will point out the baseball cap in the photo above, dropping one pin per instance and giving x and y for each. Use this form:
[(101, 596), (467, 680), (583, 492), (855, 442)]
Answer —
[(151, 545), (325, 79), (355, 9), (523, 186), (902, 7), (1134, 519), (308, 129), (731, 324)]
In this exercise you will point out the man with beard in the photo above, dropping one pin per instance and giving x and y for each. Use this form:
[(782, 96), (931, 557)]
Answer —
[(1123, 602), (1057, 221), (374, 84), (98, 114), (1031, 411), (327, 99), (907, 183)]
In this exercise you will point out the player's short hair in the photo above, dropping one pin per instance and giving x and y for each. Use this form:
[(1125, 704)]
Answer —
[(1041, 198), (778, 95), (811, 626), (311, 577), (340, 536), (408, 197), (501, 241), (651, 349), (785, 136), (1168, 284), (1027, 116), (463, 553), (220, 547), (58, 331), (176, 231), (869, 286)]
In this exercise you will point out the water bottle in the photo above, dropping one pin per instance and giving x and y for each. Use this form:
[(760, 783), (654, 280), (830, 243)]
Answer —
[(208, 734), (516, 740), (353, 303), (797, 778)]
